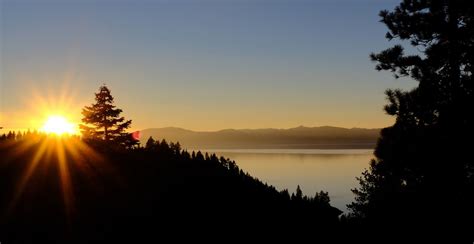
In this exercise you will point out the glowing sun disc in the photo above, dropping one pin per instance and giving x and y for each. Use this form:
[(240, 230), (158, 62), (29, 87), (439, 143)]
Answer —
[(58, 125)]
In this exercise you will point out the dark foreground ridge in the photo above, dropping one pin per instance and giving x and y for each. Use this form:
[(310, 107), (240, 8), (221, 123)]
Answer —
[(64, 190)]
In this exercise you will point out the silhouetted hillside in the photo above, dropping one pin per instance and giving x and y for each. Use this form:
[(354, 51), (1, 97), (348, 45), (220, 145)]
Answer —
[(325, 137), (66, 190)]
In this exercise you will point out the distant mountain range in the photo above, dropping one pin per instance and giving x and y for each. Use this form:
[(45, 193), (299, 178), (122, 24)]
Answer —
[(324, 137)]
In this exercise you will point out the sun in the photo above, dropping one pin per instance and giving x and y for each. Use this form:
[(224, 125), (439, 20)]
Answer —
[(58, 125)]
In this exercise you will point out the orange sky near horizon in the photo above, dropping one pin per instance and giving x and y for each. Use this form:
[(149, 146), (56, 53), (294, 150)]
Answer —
[(37, 108), (67, 98)]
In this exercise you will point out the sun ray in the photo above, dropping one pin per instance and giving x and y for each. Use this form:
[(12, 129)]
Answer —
[(28, 173), (43, 102), (65, 178), (19, 149), (67, 153), (82, 154)]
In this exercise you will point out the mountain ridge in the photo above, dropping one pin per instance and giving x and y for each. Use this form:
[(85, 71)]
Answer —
[(301, 137)]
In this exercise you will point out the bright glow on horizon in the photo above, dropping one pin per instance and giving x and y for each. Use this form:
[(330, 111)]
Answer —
[(58, 125)]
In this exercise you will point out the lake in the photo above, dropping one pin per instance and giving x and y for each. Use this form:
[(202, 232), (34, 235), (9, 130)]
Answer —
[(333, 170)]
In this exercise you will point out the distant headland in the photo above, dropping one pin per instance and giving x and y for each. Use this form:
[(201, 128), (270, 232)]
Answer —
[(323, 137)]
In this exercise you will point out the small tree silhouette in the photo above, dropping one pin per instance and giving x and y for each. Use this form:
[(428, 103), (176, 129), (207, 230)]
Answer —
[(150, 143)]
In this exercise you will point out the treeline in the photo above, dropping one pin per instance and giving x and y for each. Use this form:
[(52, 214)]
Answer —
[(174, 151), (28, 134), (162, 148), (171, 151)]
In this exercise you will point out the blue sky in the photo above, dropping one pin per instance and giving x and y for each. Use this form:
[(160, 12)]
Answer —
[(203, 65)]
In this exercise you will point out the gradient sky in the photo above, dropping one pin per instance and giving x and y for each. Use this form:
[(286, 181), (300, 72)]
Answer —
[(201, 65)]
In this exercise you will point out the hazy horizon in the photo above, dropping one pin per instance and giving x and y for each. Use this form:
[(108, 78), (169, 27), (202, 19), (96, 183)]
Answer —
[(262, 128), (215, 130)]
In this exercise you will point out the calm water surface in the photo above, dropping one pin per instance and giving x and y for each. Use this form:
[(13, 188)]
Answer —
[(332, 170)]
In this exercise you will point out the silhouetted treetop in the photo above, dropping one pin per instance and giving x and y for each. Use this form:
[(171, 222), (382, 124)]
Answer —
[(102, 120), (442, 34)]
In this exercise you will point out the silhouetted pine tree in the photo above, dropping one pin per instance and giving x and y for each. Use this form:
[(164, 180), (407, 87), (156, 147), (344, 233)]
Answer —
[(321, 198), (423, 171), (150, 143), (102, 120), (11, 135), (298, 195)]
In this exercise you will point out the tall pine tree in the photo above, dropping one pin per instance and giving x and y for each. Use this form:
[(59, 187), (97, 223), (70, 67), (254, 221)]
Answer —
[(423, 171), (102, 120)]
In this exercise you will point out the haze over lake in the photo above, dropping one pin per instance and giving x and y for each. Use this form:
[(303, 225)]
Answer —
[(332, 170)]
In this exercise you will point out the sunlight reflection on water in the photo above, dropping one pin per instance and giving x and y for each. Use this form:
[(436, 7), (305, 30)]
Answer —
[(333, 170)]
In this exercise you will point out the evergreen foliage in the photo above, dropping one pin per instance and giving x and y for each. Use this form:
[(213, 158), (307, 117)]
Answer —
[(426, 153)]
